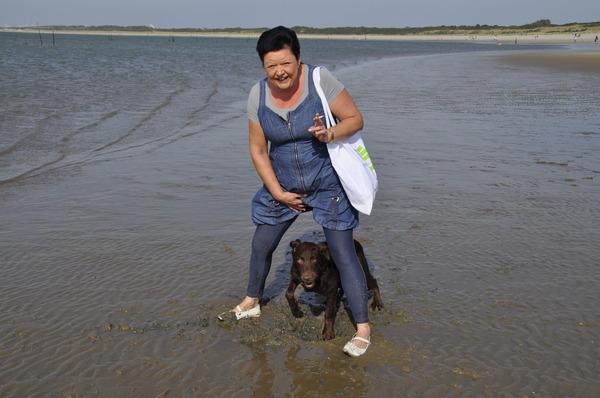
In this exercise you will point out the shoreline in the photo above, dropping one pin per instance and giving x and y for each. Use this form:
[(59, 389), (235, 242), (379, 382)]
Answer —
[(562, 38)]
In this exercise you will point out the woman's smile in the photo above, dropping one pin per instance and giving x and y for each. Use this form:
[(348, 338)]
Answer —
[(282, 68)]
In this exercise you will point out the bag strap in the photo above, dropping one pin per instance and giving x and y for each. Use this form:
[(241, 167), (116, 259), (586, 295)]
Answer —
[(329, 119)]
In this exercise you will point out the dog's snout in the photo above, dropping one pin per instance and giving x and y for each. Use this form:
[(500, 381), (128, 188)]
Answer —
[(308, 279)]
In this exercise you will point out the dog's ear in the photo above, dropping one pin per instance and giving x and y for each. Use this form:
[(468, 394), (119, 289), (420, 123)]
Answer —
[(324, 251), (295, 243)]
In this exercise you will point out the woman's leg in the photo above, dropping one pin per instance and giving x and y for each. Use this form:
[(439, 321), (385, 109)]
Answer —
[(265, 241), (341, 247)]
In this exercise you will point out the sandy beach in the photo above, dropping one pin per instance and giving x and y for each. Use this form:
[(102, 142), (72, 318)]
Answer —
[(498, 39), (588, 37), (504, 39)]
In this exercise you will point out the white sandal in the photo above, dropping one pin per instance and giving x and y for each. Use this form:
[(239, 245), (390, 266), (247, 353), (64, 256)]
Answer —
[(353, 350), (251, 313), (240, 314)]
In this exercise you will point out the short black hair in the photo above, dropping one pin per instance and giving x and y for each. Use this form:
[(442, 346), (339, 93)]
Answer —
[(277, 39)]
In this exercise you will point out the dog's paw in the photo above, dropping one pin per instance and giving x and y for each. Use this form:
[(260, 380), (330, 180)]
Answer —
[(328, 335), (298, 314), (377, 305)]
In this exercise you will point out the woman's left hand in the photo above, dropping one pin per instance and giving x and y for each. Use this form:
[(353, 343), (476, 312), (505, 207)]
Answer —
[(319, 130)]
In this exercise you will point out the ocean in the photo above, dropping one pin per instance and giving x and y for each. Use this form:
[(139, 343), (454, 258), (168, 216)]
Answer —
[(125, 188)]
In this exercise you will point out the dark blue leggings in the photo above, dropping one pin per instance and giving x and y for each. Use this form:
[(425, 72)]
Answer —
[(341, 246)]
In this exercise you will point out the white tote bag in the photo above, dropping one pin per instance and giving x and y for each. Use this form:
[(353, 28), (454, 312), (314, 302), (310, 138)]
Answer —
[(350, 160)]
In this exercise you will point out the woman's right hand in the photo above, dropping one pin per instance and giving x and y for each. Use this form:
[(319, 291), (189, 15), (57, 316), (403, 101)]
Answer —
[(292, 200)]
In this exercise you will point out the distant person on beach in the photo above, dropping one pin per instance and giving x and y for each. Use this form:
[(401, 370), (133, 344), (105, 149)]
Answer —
[(288, 146)]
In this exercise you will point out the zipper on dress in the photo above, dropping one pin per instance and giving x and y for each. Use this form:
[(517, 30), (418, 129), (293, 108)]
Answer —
[(289, 125)]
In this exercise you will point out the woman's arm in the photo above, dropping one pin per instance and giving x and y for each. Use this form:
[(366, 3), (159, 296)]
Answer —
[(350, 119), (259, 152)]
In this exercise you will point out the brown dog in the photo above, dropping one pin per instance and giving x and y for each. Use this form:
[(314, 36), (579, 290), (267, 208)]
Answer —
[(314, 269)]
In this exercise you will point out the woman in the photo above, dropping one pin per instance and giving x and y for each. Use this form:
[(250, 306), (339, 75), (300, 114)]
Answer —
[(283, 111)]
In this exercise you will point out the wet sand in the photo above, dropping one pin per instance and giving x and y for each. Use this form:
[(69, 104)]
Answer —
[(562, 61), (484, 241)]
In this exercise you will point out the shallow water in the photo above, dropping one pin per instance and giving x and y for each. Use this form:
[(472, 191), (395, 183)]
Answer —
[(121, 243)]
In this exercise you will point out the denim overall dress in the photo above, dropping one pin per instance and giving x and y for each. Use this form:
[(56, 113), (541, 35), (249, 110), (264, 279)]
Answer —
[(302, 165)]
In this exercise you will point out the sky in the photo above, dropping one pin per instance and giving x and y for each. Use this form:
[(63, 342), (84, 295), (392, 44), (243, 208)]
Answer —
[(313, 13)]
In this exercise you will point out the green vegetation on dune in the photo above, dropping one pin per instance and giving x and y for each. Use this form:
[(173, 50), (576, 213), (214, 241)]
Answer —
[(540, 27)]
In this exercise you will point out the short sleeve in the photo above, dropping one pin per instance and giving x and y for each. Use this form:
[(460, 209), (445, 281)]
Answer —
[(331, 86), (253, 102)]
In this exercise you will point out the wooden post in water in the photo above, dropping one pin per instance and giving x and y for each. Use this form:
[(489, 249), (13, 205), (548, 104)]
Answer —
[(40, 34), (53, 41)]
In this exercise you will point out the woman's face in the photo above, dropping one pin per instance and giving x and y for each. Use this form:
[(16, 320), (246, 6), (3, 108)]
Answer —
[(282, 67)]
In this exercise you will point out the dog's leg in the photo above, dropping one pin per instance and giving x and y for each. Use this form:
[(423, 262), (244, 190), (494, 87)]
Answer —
[(328, 329), (377, 303), (291, 298), (371, 281)]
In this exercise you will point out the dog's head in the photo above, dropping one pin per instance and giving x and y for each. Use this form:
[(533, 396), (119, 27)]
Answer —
[(310, 260)]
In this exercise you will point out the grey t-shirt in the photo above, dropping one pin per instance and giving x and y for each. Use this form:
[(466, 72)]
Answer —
[(331, 86)]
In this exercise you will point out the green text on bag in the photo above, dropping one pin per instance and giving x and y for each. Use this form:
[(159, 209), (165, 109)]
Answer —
[(365, 155)]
